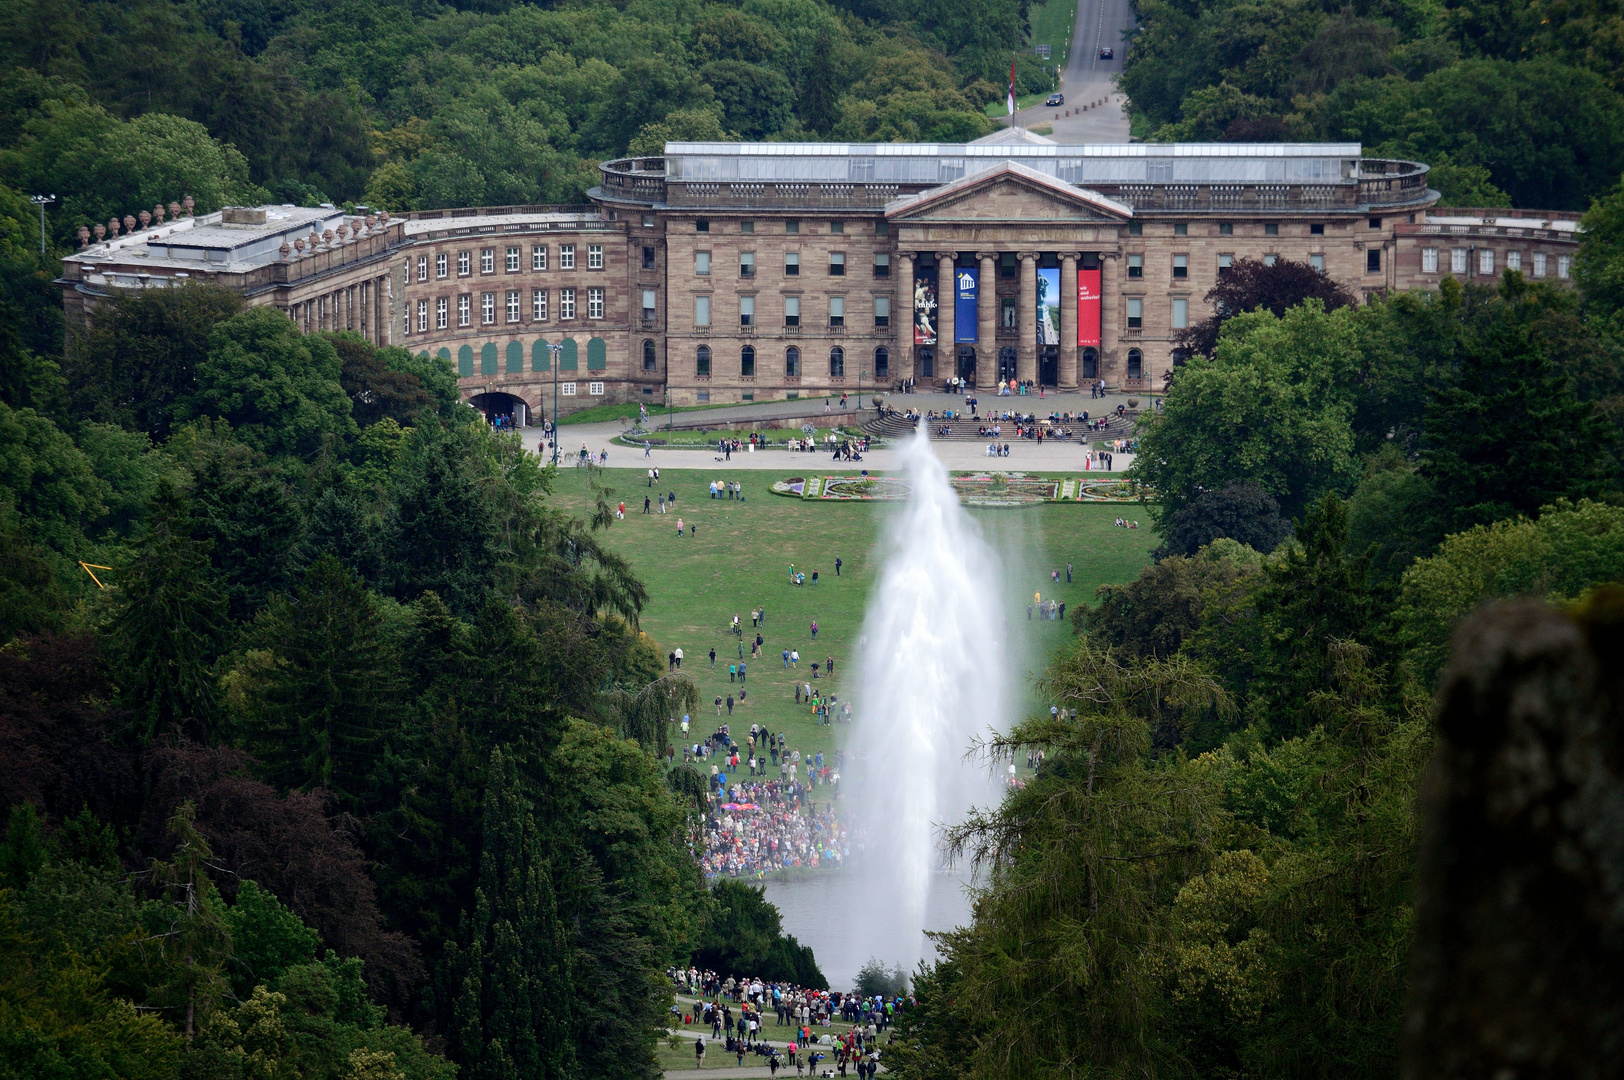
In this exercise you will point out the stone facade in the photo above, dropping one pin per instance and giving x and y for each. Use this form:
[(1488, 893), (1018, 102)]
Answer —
[(740, 272)]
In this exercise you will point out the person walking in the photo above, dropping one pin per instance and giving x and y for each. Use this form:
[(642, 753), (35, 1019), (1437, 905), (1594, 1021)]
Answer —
[(645, 504), (699, 1052), (713, 659), (786, 659)]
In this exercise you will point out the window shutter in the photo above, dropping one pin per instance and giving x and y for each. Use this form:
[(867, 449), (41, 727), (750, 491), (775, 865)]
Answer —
[(597, 355), (540, 358), (515, 358), (465, 362)]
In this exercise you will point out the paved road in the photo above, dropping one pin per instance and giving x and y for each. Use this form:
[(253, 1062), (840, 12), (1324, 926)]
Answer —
[(1087, 78)]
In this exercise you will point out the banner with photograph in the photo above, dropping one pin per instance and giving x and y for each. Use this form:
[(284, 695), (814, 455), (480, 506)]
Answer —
[(924, 313), (1048, 306), (1088, 307), (964, 305)]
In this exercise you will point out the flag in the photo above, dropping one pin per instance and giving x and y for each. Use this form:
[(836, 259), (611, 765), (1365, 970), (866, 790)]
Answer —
[(1012, 86)]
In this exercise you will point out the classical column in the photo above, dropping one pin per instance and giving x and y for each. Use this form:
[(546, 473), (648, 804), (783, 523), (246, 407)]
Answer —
[(987, 321), (365, 289), (1113, 358), (903, 316), (1066, 377), (947, 351), (387, 284), (1026, 356)]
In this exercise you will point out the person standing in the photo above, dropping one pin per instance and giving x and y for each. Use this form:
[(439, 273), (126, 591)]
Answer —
[(1068, 573), (645, 504), (837, 566), (679, 528), (678, 655), (713, 659), (814, 629)]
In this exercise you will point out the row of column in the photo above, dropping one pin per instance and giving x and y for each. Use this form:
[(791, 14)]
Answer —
[(1026, 344), (364, 306)]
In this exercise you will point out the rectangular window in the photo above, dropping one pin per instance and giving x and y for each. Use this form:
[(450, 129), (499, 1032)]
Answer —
[(566, 303), (1225, 262), (440, 312), (566, 389), (837, 263), (538, 257), (1485, 261), (487, 308), (1226, 228), (882, 228), (1136, 266), (648, 305), (1007, 313), (882, 311), (1181, 266), (1375, 223), (1429, 260), (1316, 229), (702, 225), (1136, 313), (747, 311), (747, 227), (1270, 259), (538, 305), (648, 221), (792, 226), (792, 263), (882, 264), (792, 311), (702, 310), (1513, 260), (701, 262), (1136, 228), (594, 256), (566, 256), (1181, 313), (595, 389), (465, 309), (648, 257), (1457, 260), (487, 260), (1181, 229), (747, 264), (440, 262), (1373, 261), (1317, 262), (1271, 229), (702, 362), (1564, 263), (422, 268), (422, 316), (511, 265), (1539, 264), (464, 263), (594, 303), (513, 305), (837, 226), (837, 311)]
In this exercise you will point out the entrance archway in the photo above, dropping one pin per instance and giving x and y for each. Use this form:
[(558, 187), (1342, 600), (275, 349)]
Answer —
[(502, 410), (1049, 365), (1091, 364), (967, 364), (1006, 363), (927, 363)]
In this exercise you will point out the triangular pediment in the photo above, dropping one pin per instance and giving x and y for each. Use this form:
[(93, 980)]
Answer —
[(1012, 193)]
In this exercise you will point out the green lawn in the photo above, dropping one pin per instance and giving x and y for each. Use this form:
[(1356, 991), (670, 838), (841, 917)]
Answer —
[(741, 557), (999, 110), (1052, 25)]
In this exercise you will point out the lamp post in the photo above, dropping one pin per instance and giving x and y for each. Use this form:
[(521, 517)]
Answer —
[(668, 407), (40, 201), (556, 351)]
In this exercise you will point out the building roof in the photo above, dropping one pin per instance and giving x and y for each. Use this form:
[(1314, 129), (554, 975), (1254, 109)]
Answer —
[(209, 243), (1013, 136), (1071, 194)]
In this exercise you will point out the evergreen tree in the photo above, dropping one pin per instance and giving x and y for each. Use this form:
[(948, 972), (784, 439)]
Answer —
[(169, 625), (440, 533)]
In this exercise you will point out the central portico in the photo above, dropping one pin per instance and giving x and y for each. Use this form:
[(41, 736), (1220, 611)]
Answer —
[(989, 268)]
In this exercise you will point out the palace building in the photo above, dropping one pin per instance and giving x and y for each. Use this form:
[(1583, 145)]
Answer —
[(727, 272)]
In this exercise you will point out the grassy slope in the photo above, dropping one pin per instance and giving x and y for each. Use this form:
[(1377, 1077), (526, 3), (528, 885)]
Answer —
[(1052, 25), (741, 560)]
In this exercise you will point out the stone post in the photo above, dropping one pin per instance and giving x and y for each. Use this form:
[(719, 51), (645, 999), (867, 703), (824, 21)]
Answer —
[(987, 321), (1026, 356), (1066, 377)]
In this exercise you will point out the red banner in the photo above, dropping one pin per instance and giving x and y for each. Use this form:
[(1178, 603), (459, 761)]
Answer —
[(1088, 308)]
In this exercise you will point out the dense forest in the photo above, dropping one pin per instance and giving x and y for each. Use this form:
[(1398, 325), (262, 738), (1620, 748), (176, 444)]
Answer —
[(1512, 104), (1213, 871), (408, 104)]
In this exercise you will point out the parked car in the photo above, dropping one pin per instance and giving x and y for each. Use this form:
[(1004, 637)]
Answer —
[(1107, 54), (1056, 99)]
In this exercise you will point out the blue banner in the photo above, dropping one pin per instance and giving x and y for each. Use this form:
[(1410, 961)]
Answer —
[(964, 305)]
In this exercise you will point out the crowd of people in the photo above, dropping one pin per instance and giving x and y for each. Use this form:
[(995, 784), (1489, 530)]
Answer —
[(736, 1012), (758, 826)]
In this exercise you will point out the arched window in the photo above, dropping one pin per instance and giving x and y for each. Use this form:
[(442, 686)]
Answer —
[(747, 362), (515, 357), (487, 358), (597, 355), (648, 355), (465, 362), (701, 361), (569, 359), (540, 358), (837, 362), (1136, 364), (882, 363), (792, 361), (1091, 364)]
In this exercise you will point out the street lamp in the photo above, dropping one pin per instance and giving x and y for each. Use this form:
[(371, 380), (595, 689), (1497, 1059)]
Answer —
[(40, 201), (557, 351)]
